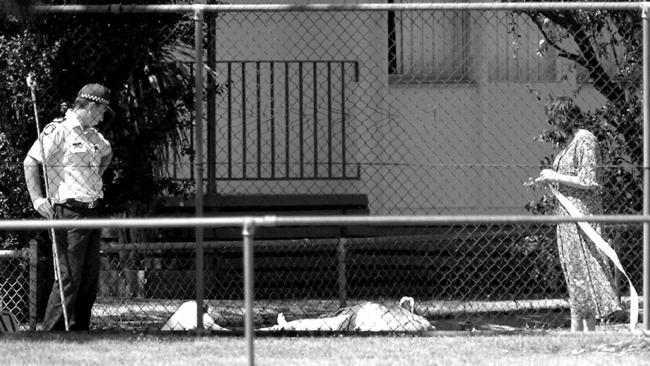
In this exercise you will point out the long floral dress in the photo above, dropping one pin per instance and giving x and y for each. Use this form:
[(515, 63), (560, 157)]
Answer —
[(586, 269)]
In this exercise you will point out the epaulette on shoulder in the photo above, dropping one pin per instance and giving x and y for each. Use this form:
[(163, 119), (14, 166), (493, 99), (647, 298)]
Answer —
[(51, 127), (58, 120)]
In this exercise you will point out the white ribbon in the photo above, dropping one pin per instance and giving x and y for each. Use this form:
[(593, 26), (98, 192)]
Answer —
[(605, 248)]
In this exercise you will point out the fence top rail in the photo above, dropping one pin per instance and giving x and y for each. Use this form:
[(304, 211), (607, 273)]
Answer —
[(134, 8), (342, 220), (20, 253)]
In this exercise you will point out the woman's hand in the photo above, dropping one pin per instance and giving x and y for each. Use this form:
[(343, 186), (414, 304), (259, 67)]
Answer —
[(547, 176)]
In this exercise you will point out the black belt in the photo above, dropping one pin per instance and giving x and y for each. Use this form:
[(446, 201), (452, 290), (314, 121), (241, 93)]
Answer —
[(78, 204)]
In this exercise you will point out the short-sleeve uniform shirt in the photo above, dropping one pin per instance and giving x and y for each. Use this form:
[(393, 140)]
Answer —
[(72, 157)]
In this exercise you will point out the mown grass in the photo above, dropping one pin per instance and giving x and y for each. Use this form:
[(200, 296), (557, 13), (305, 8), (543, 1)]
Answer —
[(550, 348)]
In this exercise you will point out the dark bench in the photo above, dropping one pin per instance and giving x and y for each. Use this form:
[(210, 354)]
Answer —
[(286, 251), (258, 204)]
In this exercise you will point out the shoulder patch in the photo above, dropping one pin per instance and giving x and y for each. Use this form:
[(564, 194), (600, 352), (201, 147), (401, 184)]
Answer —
[(49, 128)]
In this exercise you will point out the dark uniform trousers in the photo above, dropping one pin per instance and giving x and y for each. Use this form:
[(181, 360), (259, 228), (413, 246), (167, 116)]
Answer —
[(78, 252)]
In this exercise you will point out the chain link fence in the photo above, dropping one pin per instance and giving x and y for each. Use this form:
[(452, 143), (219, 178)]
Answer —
[(15, 286), (359, 112)]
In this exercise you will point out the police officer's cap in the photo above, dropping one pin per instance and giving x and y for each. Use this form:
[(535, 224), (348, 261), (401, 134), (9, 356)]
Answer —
[(97, 93)]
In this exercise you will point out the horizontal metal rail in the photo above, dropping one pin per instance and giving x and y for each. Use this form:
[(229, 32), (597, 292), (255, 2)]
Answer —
[(21, 253), (272, 220), (118, 8)]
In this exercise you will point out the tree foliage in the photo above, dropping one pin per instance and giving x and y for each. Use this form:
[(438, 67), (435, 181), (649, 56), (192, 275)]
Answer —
[(133, 56), (593, 40)]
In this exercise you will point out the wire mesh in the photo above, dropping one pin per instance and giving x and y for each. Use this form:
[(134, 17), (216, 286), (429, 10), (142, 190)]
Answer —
[(15, 285), (338, 112)]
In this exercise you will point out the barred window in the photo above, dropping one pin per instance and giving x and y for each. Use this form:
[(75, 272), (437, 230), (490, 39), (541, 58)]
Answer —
[(428, 46), (438, 46)]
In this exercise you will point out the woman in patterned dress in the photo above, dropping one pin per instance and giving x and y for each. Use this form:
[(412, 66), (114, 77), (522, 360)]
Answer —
[(576, 174)]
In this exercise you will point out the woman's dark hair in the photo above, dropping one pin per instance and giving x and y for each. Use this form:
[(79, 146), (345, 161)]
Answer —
[(564, 112)]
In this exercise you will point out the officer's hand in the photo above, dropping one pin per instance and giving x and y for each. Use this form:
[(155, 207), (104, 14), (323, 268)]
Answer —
[(44, 207)]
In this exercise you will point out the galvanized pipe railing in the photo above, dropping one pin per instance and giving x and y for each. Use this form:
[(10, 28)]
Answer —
[(351, 220), (198, 158), (517, 6)]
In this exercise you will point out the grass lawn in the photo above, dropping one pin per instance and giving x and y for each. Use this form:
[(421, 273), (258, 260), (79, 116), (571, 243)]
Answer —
[(461, 348)]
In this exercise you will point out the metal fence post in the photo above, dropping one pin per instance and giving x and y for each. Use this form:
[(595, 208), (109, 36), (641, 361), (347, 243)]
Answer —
[(646, 167), (198, 162), (249, 294), (33, 283), (211, 106), (342, 275)]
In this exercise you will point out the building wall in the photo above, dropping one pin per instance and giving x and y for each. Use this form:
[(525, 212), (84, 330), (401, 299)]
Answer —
[(424, 147), (477, 142)]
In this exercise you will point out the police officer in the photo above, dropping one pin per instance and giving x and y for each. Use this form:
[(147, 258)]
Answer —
[(74, 155)]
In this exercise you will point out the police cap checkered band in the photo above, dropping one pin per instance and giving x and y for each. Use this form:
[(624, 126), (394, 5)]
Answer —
[(96, 93), (93, 98)]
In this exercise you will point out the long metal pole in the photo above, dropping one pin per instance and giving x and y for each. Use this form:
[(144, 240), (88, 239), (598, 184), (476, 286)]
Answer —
[(55, 250), (249, 284), (198, 162), (646, 169)]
